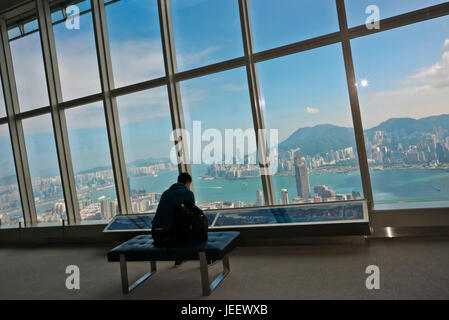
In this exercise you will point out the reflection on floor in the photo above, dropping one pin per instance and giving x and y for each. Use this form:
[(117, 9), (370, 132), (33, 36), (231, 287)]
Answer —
[(410, 268)]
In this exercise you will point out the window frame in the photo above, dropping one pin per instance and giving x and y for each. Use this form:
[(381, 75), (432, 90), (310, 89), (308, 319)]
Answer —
[(171, 79)]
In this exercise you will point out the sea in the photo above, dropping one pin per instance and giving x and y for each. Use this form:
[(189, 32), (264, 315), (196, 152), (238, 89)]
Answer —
[(418, 186)]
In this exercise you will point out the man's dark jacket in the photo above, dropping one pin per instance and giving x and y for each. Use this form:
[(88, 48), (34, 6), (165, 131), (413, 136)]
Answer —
[(167, 205)]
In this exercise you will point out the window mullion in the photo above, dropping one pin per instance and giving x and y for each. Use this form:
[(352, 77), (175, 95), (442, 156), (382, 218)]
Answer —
[(16, 130), (57, 114), (355, 106), (174, 96), (110, 106), (254, 92)]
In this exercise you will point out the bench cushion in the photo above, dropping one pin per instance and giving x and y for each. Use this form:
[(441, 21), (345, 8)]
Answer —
[(141, 248)]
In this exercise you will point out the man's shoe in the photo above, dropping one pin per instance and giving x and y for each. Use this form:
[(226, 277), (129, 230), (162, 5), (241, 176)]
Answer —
[(178, 263)]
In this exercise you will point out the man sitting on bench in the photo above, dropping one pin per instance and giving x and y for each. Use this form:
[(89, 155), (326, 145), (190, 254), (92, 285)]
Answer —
[(165, 213)]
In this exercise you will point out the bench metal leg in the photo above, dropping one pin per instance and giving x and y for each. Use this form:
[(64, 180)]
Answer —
[(207, 286), (126, 288)]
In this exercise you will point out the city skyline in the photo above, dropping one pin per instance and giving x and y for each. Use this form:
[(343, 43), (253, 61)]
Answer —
[(91, 146), (394, 149)]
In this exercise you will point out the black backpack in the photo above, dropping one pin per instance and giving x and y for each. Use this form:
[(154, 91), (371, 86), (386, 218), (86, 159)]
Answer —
[(190, 224)]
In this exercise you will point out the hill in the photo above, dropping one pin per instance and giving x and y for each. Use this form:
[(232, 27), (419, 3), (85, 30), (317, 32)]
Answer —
[(323, 138)]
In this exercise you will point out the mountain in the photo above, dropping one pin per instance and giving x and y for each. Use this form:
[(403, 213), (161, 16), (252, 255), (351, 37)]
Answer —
[(147, 162), (323, 138), (319, 139), (408, 126)]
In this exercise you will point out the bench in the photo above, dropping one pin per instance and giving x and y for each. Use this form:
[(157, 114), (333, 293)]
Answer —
[(141, 248)]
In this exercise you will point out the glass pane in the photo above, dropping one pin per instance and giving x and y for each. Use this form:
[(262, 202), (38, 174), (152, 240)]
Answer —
[(277, 23), (224, 167), (206, 32), (305, 97), (83, 5), (29, 71), (77, 59), (146, 128), (31, 26), (91, 160), (57, 16), (44, 169), (14, 33), (10, 207), (356, 10), (403, 95), (135, 38)]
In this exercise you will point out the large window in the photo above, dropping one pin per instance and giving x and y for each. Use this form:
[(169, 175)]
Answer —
[(29, 71), (77, 58), (305, 97), (277, 23), (405, 111), (359, 11), (44, 169), (135, 38), (146, 130), (206, 32), (92, 162), (222, 140), (402, 84), (10, 208)]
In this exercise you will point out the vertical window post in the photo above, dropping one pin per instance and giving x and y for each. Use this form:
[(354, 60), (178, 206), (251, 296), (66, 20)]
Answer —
[(110, 106), (355, 106), (174, 96), (16, 130), (254, 93), (57, 114)]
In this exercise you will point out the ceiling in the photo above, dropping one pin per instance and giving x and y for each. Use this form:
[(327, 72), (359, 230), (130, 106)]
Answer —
[(7, 4)]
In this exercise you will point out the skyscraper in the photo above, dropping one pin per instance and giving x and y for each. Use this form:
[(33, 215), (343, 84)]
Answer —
[(106, 209), (302, 178), (284, 194), (259, 198)]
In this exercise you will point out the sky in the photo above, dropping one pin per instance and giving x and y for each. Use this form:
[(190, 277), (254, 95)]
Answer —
[(406, 71)]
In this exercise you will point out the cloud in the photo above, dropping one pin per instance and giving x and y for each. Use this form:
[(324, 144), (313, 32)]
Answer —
[(78, 68), (233, 87), (29, 72), (144, 106), (421, 94), (414, 102), (310, 110), (437, 75), (136, 61), (190, 59)]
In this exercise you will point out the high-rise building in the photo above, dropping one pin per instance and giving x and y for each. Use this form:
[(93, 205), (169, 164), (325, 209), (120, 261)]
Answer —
[(106, 208), (284, 194), (259, 198), (302, 178), (324, 193), (59, 209)]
